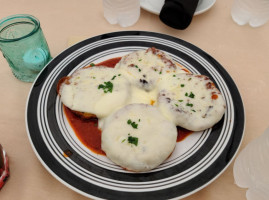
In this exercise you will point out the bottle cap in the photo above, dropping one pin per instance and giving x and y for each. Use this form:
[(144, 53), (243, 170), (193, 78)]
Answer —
[(178, 13)]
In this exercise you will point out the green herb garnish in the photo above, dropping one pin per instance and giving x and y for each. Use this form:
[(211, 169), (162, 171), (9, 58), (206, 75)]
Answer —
[(92, 64), (133, 124), (133, 140), (189, 104), (113, 77), (191, 95), (180, 100), (182, 85), (107, 87), (138, 68)]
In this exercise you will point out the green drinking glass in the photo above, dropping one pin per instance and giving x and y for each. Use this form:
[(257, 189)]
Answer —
[(24, 46)]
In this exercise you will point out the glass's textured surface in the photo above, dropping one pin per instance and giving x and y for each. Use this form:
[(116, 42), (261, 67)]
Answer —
[(24, 46)]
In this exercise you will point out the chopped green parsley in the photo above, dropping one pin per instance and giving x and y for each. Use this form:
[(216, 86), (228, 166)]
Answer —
[(133, 140), (133, 124), (107, 87), (182, 85), (138, 68), (189, 104), (92, 64), (191, 95)]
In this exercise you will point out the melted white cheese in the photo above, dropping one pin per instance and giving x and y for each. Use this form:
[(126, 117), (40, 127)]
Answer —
[(190, 101), (139, 95), (144, 68), (89, 90), (156, 137)]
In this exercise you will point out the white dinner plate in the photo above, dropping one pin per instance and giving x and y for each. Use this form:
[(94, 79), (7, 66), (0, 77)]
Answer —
[(203, 6), (196, 161)]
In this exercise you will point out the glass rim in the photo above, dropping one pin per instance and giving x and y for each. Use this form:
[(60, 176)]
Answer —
[(19, 16)]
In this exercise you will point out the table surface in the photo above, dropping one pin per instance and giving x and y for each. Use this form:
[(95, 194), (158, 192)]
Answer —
[(242, 50)]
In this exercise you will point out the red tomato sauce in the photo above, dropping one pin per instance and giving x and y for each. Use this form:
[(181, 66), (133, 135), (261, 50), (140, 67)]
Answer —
[(182, 133), (87, 129), (110, 62)]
